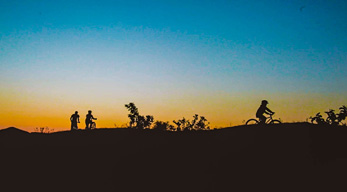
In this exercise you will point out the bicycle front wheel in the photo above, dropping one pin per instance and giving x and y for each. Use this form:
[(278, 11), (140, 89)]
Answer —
[(275, 122), (252, 122)]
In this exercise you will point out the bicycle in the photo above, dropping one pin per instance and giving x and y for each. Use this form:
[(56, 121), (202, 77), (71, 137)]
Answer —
[(92, 125), (269, 120)]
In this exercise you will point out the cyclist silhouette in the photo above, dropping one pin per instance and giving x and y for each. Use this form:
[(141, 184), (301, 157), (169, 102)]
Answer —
[(75, 118), (263, 109), (89, 119)]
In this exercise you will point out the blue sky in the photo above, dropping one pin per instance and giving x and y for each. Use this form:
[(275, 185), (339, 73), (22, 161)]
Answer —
[(146, 51)]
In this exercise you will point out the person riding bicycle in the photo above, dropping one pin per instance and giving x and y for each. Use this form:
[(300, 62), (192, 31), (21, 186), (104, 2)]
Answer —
[(89, 119), (263, 109), (75, 118)]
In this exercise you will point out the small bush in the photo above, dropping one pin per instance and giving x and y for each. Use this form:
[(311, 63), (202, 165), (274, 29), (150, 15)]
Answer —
[(138, 121), (162, 126), (43, 130), (195, 124), (332, 119)]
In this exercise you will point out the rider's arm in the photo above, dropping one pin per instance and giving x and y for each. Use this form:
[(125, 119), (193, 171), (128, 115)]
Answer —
[(268, 111)]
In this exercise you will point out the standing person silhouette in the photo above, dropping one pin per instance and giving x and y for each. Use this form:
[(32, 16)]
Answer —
[(263, 109), (89, 119), (75, 118)]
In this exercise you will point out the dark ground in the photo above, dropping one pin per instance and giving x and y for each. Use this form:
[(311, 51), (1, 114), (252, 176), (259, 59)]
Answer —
[(287, 157)]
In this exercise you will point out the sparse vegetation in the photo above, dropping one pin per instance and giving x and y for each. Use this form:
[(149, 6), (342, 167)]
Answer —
[(332, 119), (163, 126), (184, 124), (195, 124), (318, 119), (138, 121), (124, 125), (43, 130)]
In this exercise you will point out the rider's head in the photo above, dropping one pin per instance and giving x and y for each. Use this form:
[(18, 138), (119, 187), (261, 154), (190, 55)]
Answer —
[(76, 112), (264, 102), (89, 111)]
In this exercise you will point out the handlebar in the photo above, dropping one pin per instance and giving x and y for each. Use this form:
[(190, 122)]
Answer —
[(271, 114)]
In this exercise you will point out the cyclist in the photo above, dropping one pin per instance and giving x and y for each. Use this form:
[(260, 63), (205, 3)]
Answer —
[(75, 118), (89, 119), (263, 109)]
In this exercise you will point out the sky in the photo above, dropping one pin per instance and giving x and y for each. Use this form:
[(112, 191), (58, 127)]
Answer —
[(173, 59)]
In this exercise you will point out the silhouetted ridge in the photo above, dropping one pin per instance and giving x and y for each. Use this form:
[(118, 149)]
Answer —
[(282, 157), (12, 130)]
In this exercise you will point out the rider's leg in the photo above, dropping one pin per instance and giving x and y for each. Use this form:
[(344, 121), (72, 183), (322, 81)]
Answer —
[(74, 125), (87, 124), (262, 119)]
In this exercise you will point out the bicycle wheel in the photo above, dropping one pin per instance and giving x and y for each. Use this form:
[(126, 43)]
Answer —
[(252, 122), (275, 122), (93, 125)]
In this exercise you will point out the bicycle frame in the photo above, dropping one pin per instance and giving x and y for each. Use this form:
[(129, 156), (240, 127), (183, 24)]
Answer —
[(268, 119)]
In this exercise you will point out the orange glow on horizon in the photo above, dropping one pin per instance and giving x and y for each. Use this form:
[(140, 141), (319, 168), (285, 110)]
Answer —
[(221, 110)]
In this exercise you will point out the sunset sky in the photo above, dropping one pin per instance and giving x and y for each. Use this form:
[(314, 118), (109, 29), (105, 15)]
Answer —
[(173, 59)]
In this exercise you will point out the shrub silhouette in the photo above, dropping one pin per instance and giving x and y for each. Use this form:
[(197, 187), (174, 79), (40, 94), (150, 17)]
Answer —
[(202, 124), (333, 118), (43, 130), (318, 119), (181, 124), (138, 121), (187, 125), (343, 113), (163, 126)]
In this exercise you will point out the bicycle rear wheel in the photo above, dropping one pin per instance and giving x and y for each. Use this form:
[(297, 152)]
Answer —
[(275, 122), (252, 122)]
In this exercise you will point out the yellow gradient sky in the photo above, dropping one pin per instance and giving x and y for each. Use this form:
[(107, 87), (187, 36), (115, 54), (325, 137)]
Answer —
[(221, 109)]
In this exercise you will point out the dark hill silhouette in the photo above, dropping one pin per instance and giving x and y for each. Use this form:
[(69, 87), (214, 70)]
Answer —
[(12, 130), (285, 157)]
